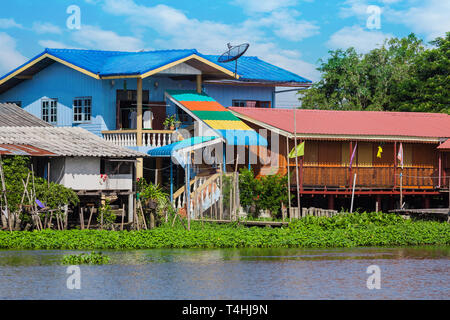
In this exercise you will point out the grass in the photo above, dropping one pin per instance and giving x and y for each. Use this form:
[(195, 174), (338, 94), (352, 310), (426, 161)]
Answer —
[(344, 230)]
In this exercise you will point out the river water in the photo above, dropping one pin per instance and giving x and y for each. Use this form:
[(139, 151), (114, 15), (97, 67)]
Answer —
[(280, 274)]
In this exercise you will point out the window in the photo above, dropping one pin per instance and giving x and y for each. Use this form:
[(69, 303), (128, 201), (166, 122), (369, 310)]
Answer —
[(264, 104), (50, 110), (239, 103), (251, 103), (82, 109)]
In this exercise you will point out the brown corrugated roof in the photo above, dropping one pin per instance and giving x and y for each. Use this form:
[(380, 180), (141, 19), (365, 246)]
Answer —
[(23, 150)]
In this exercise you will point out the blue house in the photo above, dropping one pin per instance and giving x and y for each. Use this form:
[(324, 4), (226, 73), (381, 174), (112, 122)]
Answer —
[(125, 97)]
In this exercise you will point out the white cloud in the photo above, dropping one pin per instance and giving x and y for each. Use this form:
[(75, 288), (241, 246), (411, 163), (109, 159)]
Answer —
[(353, 8), (173, 29), (96, 38), (431, 18), (45, 27), (362, 40), (54, 44), (286, 59), (264, 6), (10, 58), (286, 25), (9, 23)]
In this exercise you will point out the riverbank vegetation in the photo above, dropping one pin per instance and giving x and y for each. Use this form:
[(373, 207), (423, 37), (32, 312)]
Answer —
[(344, 230), (25, 198), (85, 258)]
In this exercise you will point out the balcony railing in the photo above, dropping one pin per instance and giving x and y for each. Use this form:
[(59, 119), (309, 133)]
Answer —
[(369, 177), (128, 138)]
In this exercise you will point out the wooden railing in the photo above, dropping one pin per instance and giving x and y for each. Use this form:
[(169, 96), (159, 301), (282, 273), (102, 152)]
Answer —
[(366, 177), (128, 138)]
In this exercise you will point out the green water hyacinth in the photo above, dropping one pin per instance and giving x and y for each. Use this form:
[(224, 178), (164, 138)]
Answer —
[(85, 258), (343, 230)]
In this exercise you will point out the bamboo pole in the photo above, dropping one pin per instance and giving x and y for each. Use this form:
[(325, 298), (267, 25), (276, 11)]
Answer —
[(296, 164), (81, 217), (2, 176), (353, 193), (91, 212), (221, 196), (401, 189), (123, 216)]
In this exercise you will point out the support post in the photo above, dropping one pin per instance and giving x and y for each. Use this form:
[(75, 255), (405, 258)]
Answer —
[(289, 177), (331, 202), (130, 207), (140, 161), (171, 182), (199, 83), (395, 164), (188, 193)]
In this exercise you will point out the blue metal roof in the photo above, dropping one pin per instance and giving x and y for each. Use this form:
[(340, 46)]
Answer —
[(115, 63), (168, 150), (253, 68)]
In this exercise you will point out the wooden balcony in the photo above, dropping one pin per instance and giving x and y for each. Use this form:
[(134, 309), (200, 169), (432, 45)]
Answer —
[(128, 138), (366, 177)]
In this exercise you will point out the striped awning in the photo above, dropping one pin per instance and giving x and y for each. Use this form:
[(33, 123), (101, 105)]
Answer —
[(207, 110)]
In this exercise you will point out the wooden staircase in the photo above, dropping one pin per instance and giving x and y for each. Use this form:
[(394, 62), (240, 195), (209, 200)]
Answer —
[(204, 195)]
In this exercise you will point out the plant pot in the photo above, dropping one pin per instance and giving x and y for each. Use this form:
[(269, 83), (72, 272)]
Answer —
[(172, 127), (152, 204)]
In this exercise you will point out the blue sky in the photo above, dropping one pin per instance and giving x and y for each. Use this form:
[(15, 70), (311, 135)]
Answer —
[(293, 34)]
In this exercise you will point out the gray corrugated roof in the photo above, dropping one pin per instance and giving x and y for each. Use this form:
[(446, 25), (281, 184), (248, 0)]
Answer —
[(65, 141), (13, 116)]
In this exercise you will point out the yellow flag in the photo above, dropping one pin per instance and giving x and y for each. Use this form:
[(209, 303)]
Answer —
[(299, 152), (380, 151)]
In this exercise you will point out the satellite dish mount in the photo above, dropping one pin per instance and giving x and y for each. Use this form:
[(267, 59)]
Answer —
[(233, 54)]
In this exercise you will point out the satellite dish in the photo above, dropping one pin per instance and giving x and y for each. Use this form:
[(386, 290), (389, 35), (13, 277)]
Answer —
[(233, 54)]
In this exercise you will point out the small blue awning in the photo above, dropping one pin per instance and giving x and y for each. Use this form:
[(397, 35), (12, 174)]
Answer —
[(170, 149)]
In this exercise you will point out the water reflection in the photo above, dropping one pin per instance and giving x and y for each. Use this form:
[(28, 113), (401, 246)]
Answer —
[(407, 273)]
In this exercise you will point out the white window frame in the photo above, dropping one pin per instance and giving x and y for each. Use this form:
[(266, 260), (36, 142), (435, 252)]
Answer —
[(51, 116), (82, 113)]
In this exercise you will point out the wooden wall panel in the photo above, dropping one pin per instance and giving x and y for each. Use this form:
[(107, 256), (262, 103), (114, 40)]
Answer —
[(424, 155), (345, 154), (329, 153), (365, 154), (387, 156), (311, 153)]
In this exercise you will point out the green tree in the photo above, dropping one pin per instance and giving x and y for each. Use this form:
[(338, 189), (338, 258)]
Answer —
[(428, 90), (401, 75)]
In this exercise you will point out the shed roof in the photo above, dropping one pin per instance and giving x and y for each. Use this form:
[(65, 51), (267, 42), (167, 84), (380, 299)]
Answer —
[(65, 141), (350, 123), (12, 115), (445, 145)]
